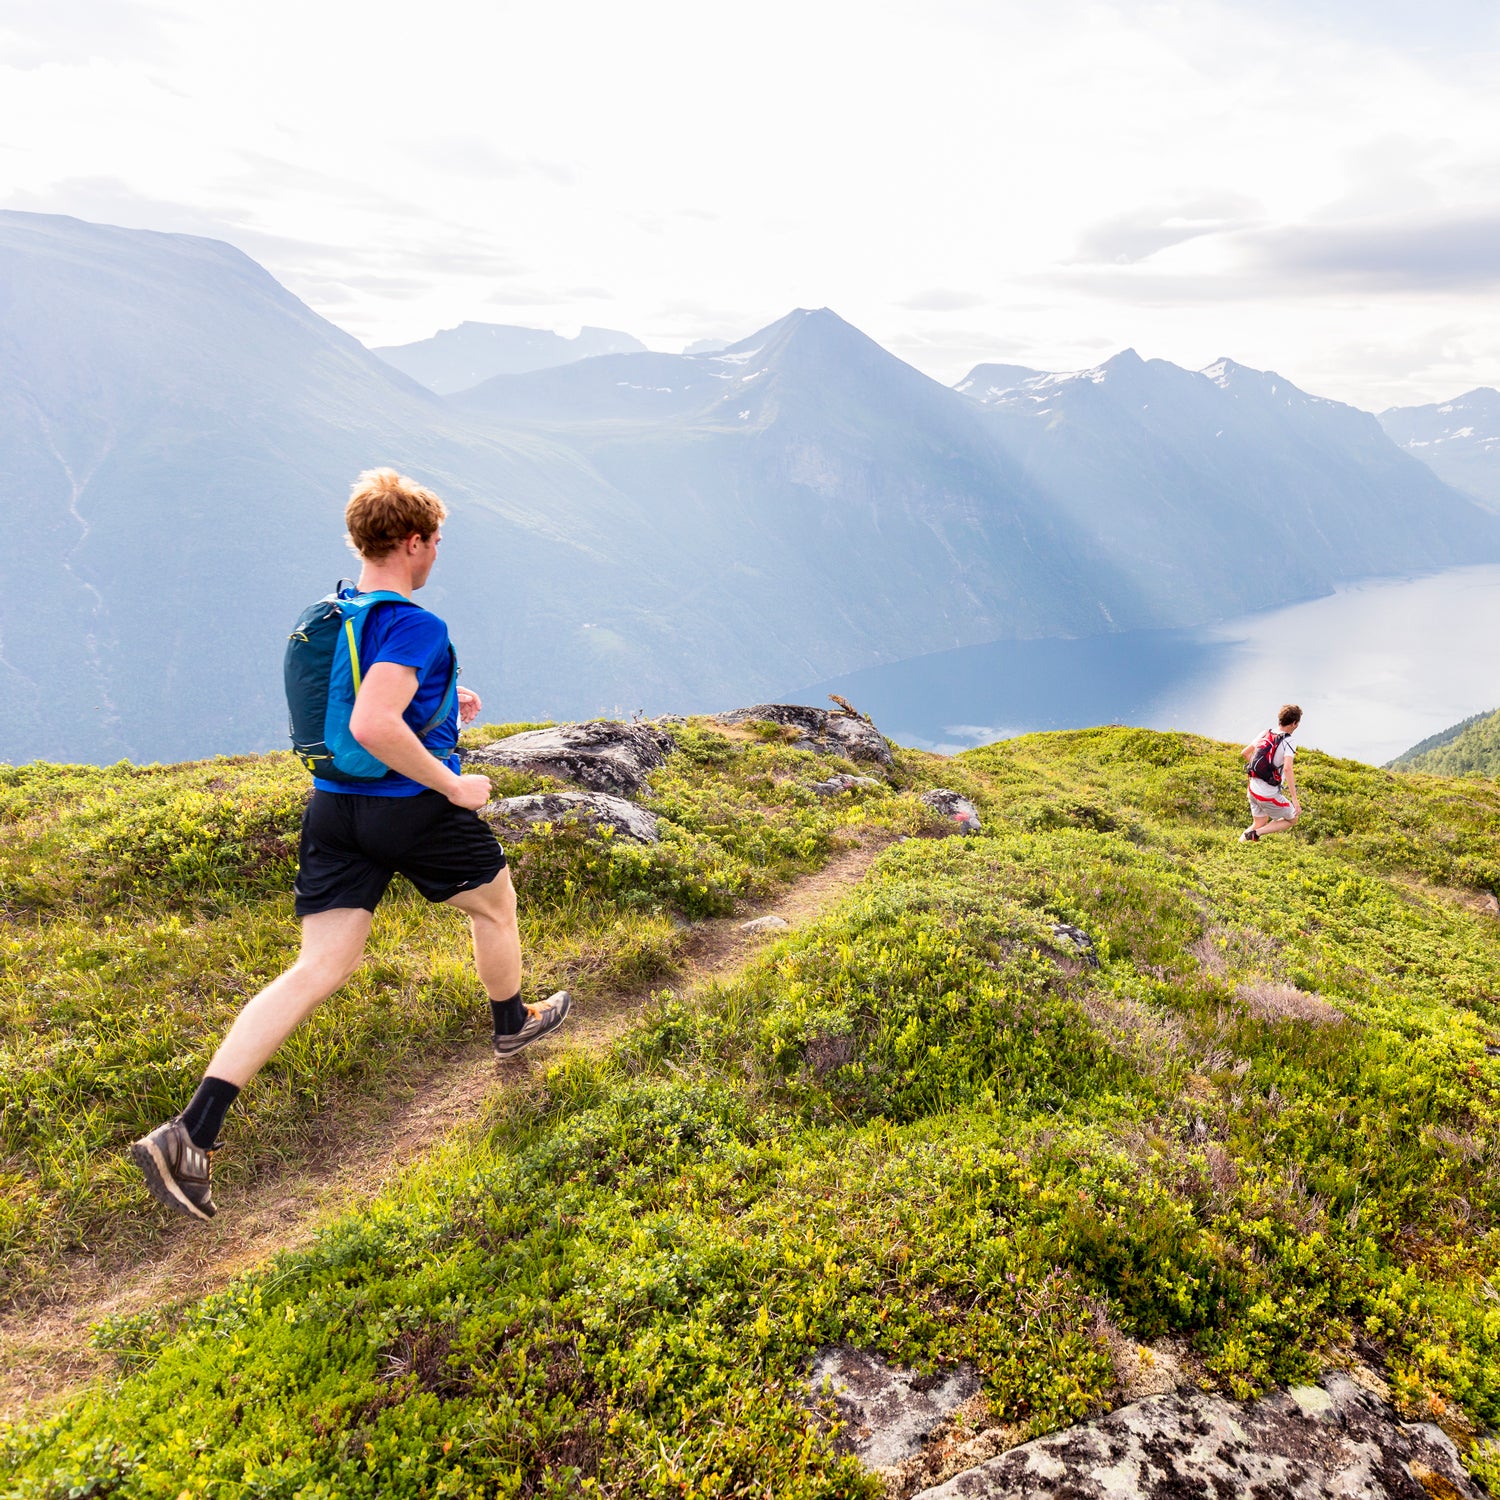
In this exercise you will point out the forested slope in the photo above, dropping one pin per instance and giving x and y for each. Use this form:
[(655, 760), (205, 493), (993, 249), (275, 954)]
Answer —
[(1469, 748)]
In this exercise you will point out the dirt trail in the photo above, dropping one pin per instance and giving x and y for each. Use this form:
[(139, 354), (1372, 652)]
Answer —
[(45, 1353)]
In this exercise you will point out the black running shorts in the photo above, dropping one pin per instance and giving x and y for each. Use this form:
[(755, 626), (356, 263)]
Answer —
[(352, 845)]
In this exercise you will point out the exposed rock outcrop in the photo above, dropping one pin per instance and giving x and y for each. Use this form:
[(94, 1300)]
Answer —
[(601, 756), (1335, 1438), (828, 733), (887, 1412), (514, 817), (951, 804)]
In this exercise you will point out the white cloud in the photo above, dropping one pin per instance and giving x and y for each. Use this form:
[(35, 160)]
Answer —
[(965, 180)]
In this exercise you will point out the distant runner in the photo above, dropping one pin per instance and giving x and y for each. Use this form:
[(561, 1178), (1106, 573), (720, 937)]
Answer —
[(1274, 805), (413, 814)]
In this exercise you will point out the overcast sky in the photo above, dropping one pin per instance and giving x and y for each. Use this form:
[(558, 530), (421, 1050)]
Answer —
[(1307, 187)]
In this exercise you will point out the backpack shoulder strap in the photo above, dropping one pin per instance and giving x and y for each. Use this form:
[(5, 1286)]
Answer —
[(380, 596), (355, 608), (446, 704)]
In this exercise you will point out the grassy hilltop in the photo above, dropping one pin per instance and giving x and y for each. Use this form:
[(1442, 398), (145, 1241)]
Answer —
[(1263, 1130)]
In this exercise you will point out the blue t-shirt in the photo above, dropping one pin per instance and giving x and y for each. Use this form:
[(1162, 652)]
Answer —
[(410, 636)]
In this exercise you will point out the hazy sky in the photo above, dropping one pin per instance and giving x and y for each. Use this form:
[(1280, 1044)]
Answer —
[(1303, 186)]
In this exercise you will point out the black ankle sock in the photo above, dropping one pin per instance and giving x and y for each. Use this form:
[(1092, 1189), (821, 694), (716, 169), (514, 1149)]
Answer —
[(510, 1015), (203, 1119)]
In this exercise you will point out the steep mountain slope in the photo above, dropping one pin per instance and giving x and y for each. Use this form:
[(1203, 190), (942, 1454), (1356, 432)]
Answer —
[(860, 500), (456, 358), (1230, 489), (1458, 440), (176, 436), (177, 433), (630, 530), (1469, 748)]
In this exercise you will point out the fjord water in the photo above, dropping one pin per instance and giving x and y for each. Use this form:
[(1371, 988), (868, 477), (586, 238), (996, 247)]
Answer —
[(1376, 666)]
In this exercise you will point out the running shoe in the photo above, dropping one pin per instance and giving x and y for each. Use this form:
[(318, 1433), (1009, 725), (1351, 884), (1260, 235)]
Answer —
[(547, 1016), (176, 1171), (1249, 836)]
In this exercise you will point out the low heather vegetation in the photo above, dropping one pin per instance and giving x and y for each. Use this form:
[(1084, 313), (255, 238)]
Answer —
[(1263, 1128), (144, 905)]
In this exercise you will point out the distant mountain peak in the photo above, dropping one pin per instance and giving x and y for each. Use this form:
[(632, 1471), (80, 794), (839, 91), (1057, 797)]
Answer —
[(987, 381), (817, 342), (1458, 439), (456, 359)]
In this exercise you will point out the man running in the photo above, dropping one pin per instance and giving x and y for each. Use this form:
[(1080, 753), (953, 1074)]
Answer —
[(420, 819), (1274, 804)]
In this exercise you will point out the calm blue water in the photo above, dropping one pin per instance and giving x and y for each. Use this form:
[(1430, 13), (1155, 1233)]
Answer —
[(1376, 667)]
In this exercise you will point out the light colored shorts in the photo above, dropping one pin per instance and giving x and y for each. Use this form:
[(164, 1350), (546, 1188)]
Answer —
[(1268, 807)]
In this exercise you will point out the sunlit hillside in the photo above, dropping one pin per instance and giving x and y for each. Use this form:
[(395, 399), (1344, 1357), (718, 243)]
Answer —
[(1245, 1116)]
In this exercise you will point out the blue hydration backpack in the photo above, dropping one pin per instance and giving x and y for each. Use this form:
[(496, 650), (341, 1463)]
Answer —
[(323, 674)]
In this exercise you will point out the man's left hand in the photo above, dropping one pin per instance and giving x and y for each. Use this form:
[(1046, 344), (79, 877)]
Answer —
[(468, 705)]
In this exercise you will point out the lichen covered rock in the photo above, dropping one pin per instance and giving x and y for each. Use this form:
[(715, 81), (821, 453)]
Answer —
[(887, 1412), (514, 817), (602, 755), (1336, 1438), (828, 733), (841, 781), (953, 805)]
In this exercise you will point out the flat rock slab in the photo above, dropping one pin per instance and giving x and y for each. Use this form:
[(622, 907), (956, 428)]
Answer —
[(841, 781), (952, 805), (1335, 1438), (765, 924), (514, 817), (887, 1412), (828, 733), (601, 756)]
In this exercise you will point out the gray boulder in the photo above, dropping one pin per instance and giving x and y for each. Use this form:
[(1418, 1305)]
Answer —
[(1335, 1438), (1079, 942), (952, 805), (601, 756), (828, 733), (514, 817)]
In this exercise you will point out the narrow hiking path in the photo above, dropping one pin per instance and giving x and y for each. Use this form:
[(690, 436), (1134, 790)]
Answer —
[(45, 1350)]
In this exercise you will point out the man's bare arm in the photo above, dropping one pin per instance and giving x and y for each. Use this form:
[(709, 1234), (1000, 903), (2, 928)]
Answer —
[(377, 724)]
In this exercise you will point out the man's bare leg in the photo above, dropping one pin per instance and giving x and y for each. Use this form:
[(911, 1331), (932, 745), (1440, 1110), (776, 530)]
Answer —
[(491, 910), (1278, 825), (176, 1158), (333, 942)]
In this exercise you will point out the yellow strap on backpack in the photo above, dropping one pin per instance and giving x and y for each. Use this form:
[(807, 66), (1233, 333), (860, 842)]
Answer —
[(353, 653)]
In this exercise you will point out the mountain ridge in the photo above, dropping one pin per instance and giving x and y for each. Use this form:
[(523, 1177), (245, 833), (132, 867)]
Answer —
[(1458, 439), (453, 359), (628, 530)]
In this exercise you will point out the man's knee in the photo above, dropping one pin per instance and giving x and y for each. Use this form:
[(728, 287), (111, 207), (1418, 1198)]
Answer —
[(328, 971), (492, 902)]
